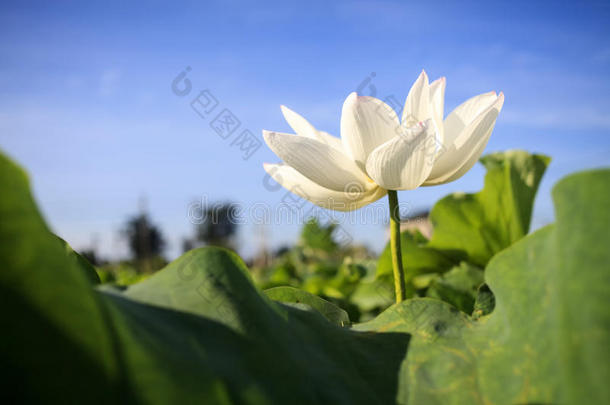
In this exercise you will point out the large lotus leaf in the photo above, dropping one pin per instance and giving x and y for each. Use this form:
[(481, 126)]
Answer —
[(548, 338), (583, 284), (283, 347), (477, 226), (56, 344), (196, 332), (255, 351)]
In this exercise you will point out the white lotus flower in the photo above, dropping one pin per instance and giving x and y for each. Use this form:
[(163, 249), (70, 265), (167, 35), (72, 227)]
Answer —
[(377, 152)]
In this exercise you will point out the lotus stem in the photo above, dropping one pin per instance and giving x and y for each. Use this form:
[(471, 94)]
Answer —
[(395, 248)]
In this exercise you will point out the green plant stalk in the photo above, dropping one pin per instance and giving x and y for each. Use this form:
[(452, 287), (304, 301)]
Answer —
[(399, 274)]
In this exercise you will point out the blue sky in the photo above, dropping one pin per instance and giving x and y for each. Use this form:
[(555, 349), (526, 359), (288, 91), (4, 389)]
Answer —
[(86, 104)]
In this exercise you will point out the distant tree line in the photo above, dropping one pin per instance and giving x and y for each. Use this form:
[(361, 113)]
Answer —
[(216, 226)]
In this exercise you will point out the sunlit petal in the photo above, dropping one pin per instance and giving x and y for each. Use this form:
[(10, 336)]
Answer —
[(404, 162), (459, 157), (366, 122), (466, 113), (330, 140), (300, 185), (317, 161), (437, 100), (417, 107), (299, 124)]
